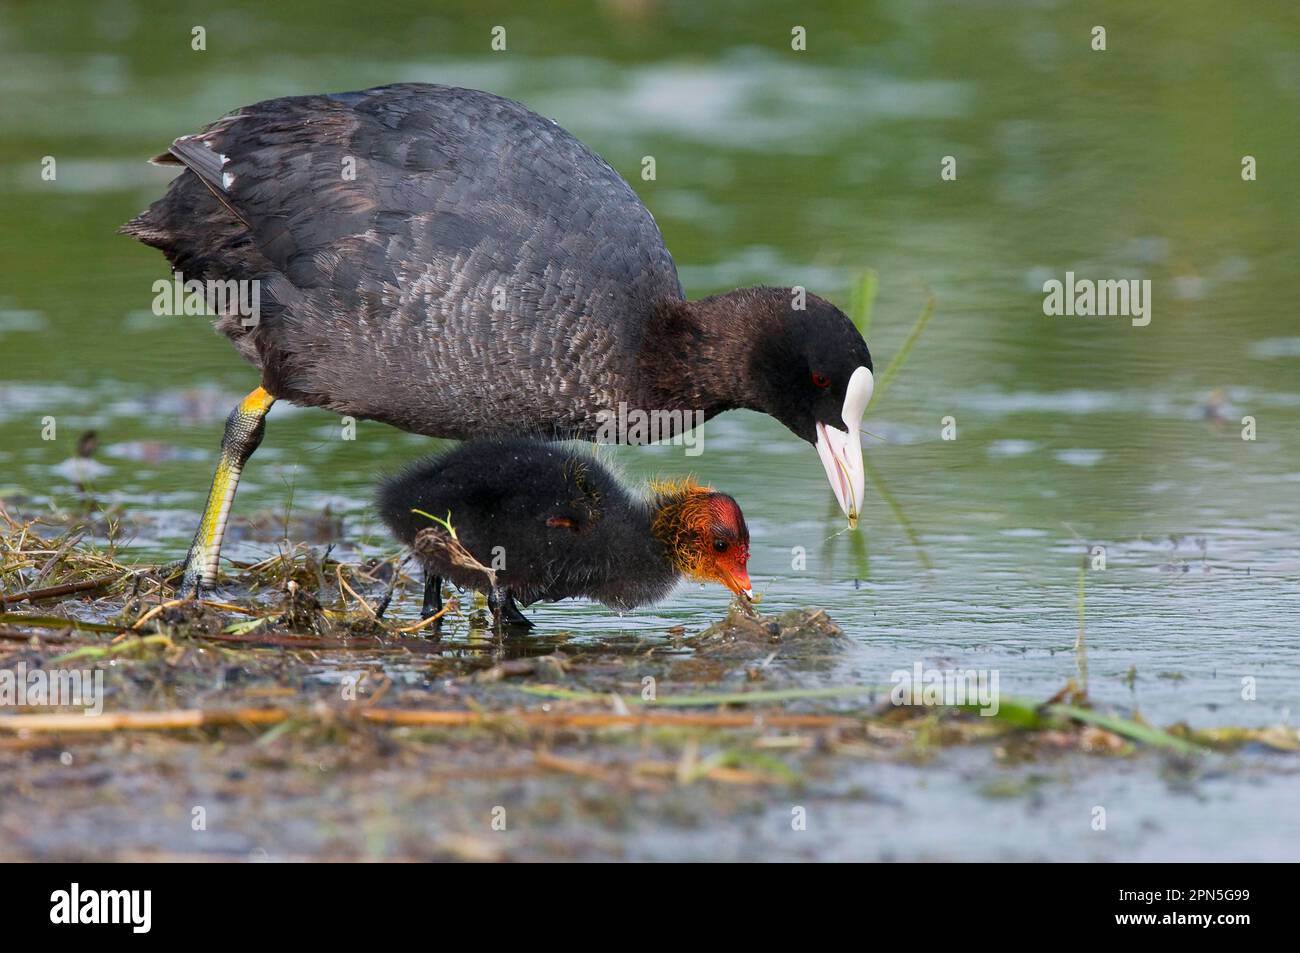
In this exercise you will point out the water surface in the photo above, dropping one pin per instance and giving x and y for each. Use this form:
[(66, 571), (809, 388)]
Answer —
[(780, 168)]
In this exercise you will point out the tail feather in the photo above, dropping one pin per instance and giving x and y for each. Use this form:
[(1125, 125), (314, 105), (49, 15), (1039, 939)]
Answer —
[(146, 229), (197, 154)]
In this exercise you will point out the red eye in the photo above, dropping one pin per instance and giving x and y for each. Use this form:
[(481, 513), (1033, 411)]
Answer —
[(821, 380)]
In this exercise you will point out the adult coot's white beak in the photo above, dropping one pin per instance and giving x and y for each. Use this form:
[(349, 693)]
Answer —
[(841, 450)]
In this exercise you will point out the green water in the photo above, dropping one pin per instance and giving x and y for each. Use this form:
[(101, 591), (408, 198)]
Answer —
[(780, 167)]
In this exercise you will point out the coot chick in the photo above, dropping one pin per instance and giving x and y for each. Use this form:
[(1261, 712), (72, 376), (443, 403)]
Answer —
[(451, 263), (546, 522)]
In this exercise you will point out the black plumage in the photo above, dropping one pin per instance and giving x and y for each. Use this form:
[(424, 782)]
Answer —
[(550, 522), (483, 272), (447, 261)]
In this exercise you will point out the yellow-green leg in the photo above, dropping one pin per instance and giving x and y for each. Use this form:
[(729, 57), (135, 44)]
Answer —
[(244, 429)]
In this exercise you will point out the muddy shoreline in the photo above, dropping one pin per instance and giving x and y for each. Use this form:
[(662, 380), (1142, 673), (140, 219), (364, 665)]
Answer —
[(279, 719)]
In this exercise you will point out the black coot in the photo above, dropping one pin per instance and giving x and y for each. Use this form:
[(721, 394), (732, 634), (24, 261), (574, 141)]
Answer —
[(451, 263), (545, 521)]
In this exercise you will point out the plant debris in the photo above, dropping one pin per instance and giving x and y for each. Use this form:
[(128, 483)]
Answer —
[(288, 708)]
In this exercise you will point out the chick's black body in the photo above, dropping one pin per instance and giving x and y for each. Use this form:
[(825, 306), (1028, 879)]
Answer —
[(550, 520)]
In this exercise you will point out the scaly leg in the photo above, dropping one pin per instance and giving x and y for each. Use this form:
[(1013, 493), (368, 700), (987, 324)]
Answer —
[(244, 429)]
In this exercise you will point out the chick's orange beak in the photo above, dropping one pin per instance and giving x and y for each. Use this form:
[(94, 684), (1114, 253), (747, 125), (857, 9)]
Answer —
[(736, 579)]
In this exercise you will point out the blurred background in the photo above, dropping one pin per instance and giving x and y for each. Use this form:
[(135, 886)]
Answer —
[(773, 167)]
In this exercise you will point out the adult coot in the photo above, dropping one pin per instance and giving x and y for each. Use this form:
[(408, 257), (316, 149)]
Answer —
[(451, 263), (524, 520)]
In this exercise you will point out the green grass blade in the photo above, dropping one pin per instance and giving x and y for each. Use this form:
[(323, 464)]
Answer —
[(862, 300), (896, 365), (1127, 727), (58, 622), (894, 508)]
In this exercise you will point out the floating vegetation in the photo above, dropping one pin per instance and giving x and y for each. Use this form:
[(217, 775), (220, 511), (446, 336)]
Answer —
[(292, 666)]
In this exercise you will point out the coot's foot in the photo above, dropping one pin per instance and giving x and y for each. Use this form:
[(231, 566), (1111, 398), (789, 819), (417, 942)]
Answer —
[(512, 616), (505, 612), (190, 585)]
